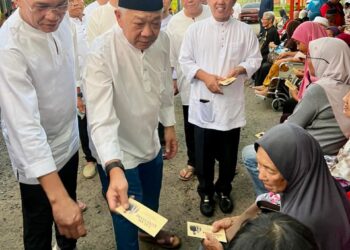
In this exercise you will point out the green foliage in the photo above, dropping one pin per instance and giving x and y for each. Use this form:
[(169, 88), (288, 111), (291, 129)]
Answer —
[(88, 1)]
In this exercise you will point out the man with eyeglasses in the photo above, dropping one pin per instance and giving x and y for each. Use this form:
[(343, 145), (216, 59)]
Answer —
[(38, 105)]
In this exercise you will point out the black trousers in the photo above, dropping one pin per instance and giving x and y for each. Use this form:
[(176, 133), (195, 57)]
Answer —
[(37, 212), (189, 137), (84, 139), (211, 145)]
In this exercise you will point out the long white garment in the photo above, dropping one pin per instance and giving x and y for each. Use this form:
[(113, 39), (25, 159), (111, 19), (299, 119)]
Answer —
[(176, 32), (101, 19), (127, 92), (37, 98), (218, 47), (90, 8)]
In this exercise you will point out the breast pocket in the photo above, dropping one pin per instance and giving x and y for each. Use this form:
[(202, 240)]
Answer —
[(205, 110)]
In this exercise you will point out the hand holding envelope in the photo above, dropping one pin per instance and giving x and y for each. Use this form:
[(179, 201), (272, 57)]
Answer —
[(227, 81)]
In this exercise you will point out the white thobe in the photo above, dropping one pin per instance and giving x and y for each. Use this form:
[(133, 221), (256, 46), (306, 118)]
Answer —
[(216, 48), (101, 19), (176, 31), (37, 98), (127, 92), (90, 8)]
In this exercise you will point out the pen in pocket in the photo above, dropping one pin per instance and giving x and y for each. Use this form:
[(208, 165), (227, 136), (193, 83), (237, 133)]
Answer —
[(203, 100)]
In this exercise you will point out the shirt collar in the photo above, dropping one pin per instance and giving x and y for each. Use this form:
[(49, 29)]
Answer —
[(223, 24)]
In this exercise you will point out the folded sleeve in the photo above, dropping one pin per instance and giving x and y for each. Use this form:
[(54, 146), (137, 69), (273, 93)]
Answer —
[(26, 138)]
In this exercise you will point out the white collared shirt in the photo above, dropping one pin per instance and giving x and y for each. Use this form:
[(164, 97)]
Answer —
[(37, 98), (218, 47), (101, 19), (127, 92), (176, 31)]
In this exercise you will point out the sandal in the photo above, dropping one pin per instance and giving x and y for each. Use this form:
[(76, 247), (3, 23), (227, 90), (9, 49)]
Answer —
[(186, 173), (163, 239)]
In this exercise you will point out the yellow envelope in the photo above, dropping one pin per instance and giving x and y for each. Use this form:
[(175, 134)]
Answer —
[(227, 81), (143, 217), (198, 230), (290, 85)]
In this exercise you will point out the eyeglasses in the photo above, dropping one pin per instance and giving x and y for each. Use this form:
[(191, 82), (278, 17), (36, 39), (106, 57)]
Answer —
[(317, 58), (59, 9)]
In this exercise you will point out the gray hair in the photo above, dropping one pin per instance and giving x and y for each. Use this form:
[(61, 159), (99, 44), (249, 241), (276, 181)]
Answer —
[(269, 15)]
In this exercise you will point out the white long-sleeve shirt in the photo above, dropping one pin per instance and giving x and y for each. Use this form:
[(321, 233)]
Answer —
[(37, 98), (176, 32), (218, 47), (101, 20), (127, 92)]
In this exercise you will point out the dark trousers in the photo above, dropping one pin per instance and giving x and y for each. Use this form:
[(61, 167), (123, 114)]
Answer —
[(262, 73), (211, 145), (37, 212), (84, 139), (189, 137)]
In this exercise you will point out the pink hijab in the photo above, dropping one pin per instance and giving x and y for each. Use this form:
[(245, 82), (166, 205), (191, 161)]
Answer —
[(305, 33)]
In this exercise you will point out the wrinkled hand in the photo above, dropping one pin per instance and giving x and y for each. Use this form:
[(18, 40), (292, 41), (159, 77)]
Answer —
[(117, 193), (80, 105), (68, 218), (211, 243), (236, 71), (171, 144), (212, 83), (282, 55), (231, 225), (299, 73)]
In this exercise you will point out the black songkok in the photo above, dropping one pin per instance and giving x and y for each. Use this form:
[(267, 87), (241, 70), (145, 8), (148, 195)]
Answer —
[(143, 5)]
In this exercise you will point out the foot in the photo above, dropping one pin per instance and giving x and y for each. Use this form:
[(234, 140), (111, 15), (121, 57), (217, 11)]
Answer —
[(163, 239), (225, 203), (261, 87), (186, 173), (89, 170), (207, 206), (262, 92)]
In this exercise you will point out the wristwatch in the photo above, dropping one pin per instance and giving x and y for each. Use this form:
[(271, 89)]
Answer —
[(80, 95), (114, 164)]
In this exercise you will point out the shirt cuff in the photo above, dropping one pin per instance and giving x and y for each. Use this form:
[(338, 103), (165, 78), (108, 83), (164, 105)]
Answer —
[(108, 151), (250, 71), (192, 73), (167, 116), (40, 168)]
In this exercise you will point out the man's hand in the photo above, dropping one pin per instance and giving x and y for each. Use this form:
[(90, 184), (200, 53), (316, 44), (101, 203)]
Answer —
[(211, 243), (66, 212), (80, 105), (171, 144), (117, 193), (68, 218), (211, 81), (236, 71), (231, 225)]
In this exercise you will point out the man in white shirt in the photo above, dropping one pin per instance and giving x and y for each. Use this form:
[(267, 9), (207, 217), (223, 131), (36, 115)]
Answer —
[(39, 119), (101, 19), (92, 6), (193, 11), (128, 89), (212, 50)]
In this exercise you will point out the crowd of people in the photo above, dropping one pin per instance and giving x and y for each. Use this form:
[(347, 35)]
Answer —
[(106, 75)]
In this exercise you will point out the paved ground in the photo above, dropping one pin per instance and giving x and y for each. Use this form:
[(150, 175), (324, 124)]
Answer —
[(179, 200)]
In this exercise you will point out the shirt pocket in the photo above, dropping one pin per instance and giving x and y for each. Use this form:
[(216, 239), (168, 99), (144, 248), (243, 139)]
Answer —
[(206, 110)]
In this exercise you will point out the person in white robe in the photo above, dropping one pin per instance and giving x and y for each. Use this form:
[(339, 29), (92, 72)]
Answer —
[(39, 120), (128, 89), (215, 49)]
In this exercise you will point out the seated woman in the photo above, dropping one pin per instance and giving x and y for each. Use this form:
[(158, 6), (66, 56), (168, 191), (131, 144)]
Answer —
[(291, 163), (302, 35), (270, 35), (271, 231), (320, 111)]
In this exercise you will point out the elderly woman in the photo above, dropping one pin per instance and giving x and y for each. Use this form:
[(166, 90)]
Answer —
[(291, 163), (320, 110)]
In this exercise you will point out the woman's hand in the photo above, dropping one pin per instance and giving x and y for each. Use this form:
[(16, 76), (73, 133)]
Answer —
[(231, 226), (211, 243)]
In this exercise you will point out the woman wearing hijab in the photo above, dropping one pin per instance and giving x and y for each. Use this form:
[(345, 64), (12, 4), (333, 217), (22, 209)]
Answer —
[(320, 111), (303, 35), (291, 163)]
